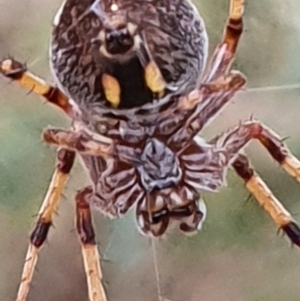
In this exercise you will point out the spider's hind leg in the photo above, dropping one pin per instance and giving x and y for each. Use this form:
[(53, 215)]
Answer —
[(229, 145)]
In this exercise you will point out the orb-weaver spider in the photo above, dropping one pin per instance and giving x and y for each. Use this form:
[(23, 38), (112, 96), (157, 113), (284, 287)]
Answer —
[(130, 75)]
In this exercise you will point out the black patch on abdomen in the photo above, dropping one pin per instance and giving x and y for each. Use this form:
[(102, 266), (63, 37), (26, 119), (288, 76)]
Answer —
[(131, 78)]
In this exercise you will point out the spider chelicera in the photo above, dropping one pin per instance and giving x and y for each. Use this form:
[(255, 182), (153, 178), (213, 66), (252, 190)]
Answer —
[(130, 75)]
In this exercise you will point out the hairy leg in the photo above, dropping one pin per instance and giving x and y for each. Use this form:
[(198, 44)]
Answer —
[(80, 141), (38, 236), (218, 84), (224, 54), (88, 143), (18, 72), (206, 103), (230, 143), (89, 249), (266, 199)]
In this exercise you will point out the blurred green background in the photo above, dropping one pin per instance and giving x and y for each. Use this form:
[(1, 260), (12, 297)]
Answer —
[(237, 256)]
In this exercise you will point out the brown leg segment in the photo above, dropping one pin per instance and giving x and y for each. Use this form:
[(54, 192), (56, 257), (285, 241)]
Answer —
[(80, 141), (89, 143), (233, 141), (39, 234), (18, 72), (267, 200), (89, 249), (207, 102), (224, 54), (218, 84), (208, 92)]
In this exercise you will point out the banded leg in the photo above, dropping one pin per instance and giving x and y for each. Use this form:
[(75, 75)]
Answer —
[(211, 96), (81, 141), (233, 141), (224, 54), (89, 249), (38, 236), (88, 143), (18, 72), (206, 103), (266, 199)]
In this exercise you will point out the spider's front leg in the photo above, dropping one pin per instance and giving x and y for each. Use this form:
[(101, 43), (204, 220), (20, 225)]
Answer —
[(18, 72), (231, 142), (38, 236)]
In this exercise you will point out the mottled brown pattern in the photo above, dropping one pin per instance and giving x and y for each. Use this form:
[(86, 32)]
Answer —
[(165, 27)]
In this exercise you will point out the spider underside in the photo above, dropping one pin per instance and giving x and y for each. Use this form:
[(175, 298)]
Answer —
[(141, 148)]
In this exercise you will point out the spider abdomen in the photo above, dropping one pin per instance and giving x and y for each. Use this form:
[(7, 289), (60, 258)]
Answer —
[(96, 38)]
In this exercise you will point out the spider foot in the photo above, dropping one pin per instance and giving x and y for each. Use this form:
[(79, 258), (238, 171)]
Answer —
[(12, 69), (292, 230)]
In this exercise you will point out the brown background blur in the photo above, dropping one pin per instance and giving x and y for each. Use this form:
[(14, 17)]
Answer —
[(237, 256)]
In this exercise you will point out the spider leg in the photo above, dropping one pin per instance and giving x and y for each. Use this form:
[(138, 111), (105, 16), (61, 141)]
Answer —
[(224, 54), (205, 103), (89, 249), (218, 83), (230, 143), (18, 72), (38, 236), (212, 96), (91, 144), (81, 141), (267, 200)]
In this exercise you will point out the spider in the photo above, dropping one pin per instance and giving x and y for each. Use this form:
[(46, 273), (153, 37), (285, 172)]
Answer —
[(131, 76)]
